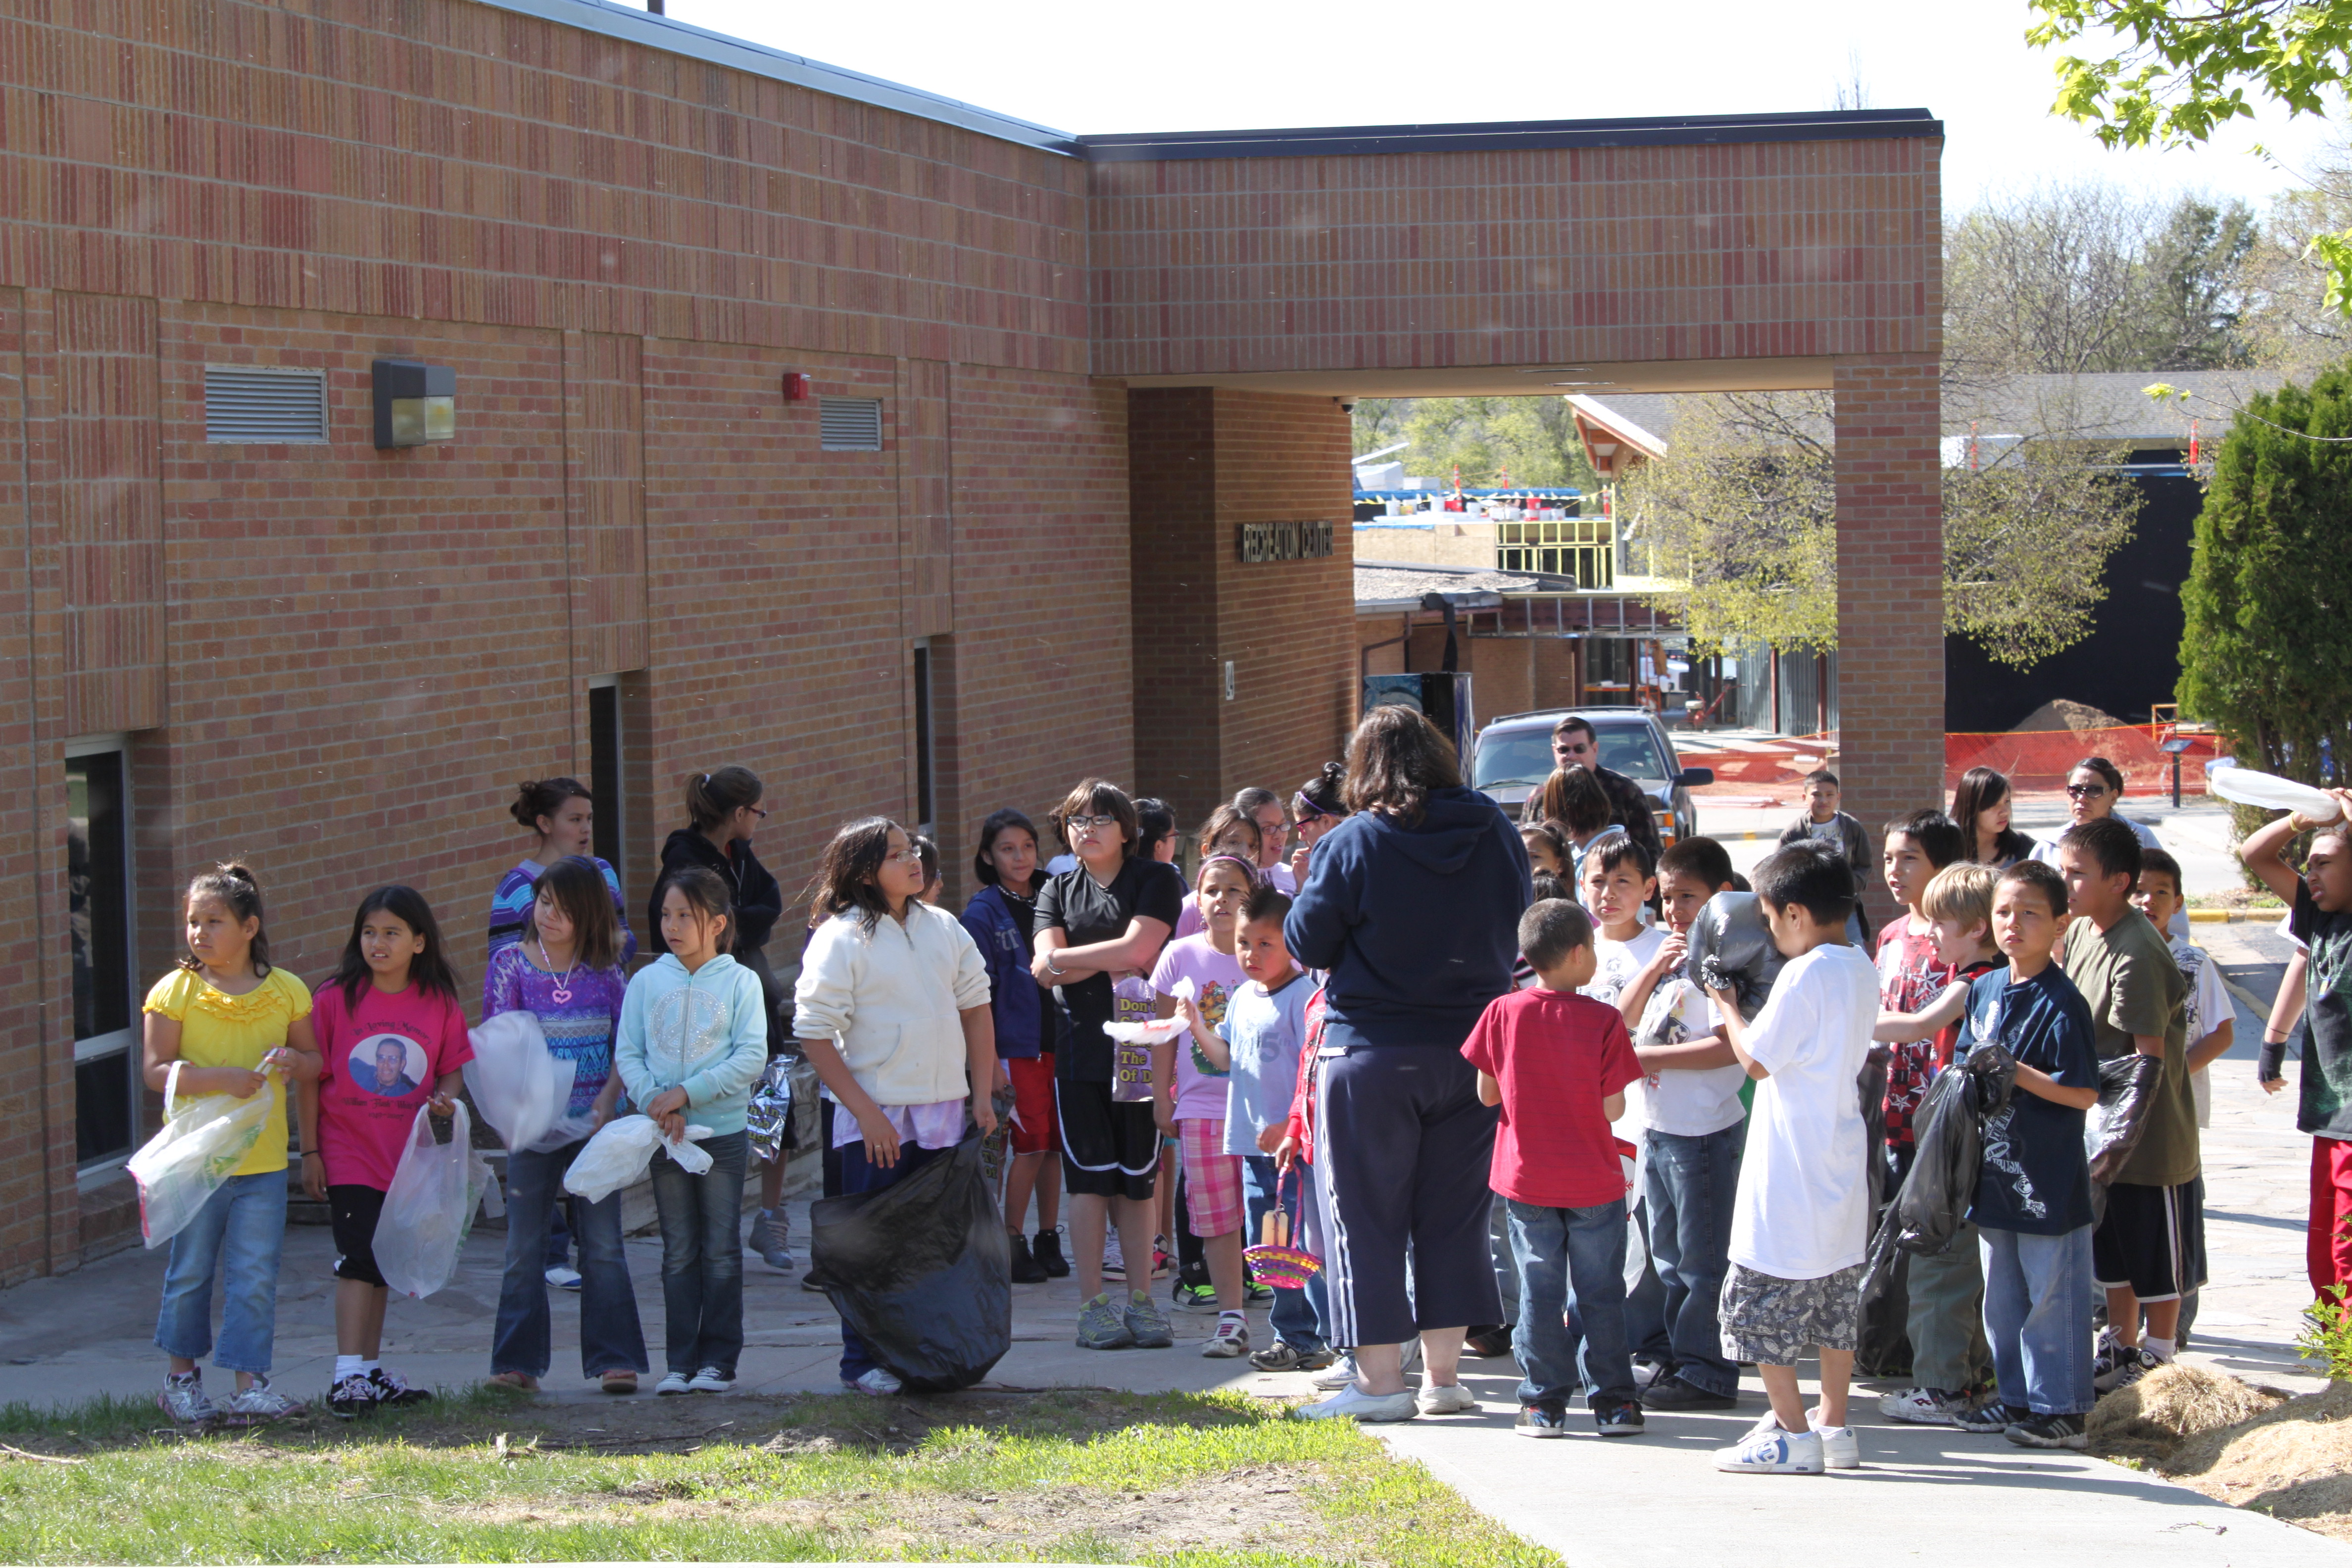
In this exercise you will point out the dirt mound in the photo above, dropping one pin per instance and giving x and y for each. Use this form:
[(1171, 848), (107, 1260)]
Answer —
[(2062, 714), (2290, 1457), (2176, 1402)]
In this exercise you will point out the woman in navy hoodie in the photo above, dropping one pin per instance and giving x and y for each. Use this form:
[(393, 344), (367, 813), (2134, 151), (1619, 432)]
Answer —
[(1412, 904)]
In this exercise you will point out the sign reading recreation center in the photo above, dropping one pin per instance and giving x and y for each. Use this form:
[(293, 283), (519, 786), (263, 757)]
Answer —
[(1282, 540)]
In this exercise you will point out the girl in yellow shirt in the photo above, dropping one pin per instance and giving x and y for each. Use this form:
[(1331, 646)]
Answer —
[(238, 1027)]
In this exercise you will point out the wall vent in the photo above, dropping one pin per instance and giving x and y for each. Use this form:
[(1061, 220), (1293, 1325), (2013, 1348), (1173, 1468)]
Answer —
[(244, 404), (850, 424)]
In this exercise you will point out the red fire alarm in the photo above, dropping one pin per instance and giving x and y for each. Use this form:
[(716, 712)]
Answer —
[(796, 386)]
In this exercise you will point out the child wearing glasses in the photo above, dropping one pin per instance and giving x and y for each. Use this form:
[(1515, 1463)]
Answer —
[(2094, 789), (1317, 809)]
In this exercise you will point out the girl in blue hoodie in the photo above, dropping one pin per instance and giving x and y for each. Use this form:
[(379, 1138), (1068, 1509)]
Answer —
[(692, 1040)]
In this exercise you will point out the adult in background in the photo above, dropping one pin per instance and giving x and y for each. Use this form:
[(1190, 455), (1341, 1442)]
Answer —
[(1412, 905), (723, 809), (1980, 805), (1575, 745), (2094, 789), (1265, 808)]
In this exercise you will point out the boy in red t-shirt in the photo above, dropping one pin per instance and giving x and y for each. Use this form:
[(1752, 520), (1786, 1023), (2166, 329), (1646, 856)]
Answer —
[(1558, 1064)]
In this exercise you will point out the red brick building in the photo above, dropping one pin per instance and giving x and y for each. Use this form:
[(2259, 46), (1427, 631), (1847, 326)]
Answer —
[(993, 551)]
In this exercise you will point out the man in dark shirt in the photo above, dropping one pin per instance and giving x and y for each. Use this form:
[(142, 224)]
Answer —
[(1574, 745)]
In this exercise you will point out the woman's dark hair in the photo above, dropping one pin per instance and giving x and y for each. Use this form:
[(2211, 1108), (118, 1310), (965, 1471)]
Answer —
[(2105, 770), (1574, 798), (1098, 797), (1322, 791), (847, 877), (535, 799), (1227, 821), (429, 969), (1396, 759), (234, 886), (1154, 826), (706, 892), (711, 798), (576, 886), (983, 869), (1979, 791), (1811, 876)]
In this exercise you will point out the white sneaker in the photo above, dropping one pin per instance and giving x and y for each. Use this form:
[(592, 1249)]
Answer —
[(563, 1277), (710, 1380), (675, 1383), (183, 1400), (1232, 1339), (876, 1380), (1446, 1399), (1355, 1404), (1340, 1374), (1840, 1451), (256, 1402), (1918, 1406), (1770, 1451)]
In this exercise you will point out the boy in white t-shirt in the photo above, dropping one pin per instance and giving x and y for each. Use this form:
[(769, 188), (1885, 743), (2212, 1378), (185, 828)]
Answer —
[(1616, 891), (1800, 1222), (1693, 1125)]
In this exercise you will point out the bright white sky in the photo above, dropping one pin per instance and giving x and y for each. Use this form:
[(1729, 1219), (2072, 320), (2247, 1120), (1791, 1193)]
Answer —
[(1252, 64)]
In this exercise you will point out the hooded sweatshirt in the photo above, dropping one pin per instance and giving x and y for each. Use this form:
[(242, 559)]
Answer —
[(1418, 925), (707, 1030), (757, 900)]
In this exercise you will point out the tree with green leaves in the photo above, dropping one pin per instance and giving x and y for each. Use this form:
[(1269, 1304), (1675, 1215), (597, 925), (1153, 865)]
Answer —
[(2182, 68), (1531, 439), (2266, 655)]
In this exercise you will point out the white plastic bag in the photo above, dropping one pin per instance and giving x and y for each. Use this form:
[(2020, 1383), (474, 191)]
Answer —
[(201, 1143), (2269, 791), (622, 1151), (429, 1208), (520, 1086)]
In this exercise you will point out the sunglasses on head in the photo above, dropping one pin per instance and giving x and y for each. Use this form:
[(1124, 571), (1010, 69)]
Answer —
[(2086, 791)]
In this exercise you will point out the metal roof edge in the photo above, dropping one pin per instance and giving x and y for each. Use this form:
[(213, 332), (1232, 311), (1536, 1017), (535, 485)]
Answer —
[(1672, 130)]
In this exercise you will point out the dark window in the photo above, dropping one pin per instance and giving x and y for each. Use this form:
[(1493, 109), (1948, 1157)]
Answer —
[(98, 914), (605, 769), (923, 737)]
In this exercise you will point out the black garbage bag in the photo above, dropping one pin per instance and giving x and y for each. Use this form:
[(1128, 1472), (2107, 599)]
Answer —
[(921, 1271), (1883, 1345), (1731, 949), (2114, 1127)]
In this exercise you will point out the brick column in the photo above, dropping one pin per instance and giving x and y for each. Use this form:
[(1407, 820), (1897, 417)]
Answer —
[(1890, 561)]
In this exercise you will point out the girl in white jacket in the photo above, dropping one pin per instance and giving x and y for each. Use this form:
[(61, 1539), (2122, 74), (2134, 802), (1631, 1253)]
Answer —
[(892, 1011)]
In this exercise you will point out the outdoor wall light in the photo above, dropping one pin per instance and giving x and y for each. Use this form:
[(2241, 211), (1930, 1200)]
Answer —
[(415, 404)]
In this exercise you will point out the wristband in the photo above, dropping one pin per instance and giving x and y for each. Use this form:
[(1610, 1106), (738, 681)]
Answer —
[(311, 1155)]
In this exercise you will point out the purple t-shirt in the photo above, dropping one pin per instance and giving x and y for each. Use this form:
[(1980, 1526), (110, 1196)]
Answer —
[(578, 1029), (1194, 969)]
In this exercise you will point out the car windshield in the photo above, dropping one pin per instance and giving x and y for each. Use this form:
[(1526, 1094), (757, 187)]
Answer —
[(1524, 756)]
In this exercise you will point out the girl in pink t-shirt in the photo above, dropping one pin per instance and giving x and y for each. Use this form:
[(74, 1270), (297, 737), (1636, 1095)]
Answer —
[(1197, 975), (393, 1037)]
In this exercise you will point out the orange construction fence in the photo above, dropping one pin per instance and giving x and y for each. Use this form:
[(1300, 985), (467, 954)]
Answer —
[(2032, 761)]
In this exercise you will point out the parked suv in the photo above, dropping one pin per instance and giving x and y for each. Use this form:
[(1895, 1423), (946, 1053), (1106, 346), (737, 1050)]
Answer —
[(1513, 759)]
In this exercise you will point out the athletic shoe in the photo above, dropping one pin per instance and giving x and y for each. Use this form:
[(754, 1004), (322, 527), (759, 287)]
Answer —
[(1340, 1374), (1446, 1399), (1025, 1270), (1284, 1356), (1114, 1260), (1541, 1421), (2103, 1356), (1769, 1451), (183, 1399), (1257, 1292), (1102, 1327), (1841, 1450), (2130, 1364), (564, 1276), (1646, 1373), (1924, 1406), (1147, 1323), (354, 1395), (1047, 1251), (2049, 1432), (767, 1239), (1991, 1419), (1196, 1298), (710, 1380), (675, 1383), (1315, 1360), (1232, 1339), (1621, 1419), (391, 1388), (1487, 1341), (259, 1402), (1355, 1404), (1672, 1392), (1161, 1257), (878, 1380)]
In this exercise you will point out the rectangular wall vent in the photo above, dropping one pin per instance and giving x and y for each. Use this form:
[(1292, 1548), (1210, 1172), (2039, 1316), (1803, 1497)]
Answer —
[(250, 405), (850, 424)]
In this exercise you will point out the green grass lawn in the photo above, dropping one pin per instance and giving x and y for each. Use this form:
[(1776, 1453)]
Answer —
[(1076, 1475)]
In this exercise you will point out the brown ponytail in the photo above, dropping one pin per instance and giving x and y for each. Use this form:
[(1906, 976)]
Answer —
[(711, 798)]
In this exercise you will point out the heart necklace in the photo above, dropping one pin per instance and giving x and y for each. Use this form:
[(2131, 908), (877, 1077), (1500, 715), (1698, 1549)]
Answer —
[(561, 993)]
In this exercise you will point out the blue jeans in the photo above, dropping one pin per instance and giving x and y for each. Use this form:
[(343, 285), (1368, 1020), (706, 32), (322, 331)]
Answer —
[(240, 1233), (1299, 1315), (860, 1175), (2037, 1308), (702, 1255), (1571, 1260), (610, 1337), (1690, 1184), (559, 1233)]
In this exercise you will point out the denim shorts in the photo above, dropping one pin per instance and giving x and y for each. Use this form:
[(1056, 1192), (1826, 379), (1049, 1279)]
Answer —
[(1774, 1322)]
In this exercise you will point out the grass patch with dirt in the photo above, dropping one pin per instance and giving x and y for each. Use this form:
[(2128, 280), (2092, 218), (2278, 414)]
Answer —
[(2286, 1456), (1072, 1476)]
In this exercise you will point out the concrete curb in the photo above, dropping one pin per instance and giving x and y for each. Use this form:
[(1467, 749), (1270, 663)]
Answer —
[(2234, 916)]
